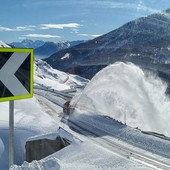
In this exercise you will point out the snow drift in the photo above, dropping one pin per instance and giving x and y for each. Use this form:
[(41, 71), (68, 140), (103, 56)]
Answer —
[(127, 93)]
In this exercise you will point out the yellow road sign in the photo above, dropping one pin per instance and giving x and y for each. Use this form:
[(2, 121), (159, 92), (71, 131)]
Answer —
[(16, 73)]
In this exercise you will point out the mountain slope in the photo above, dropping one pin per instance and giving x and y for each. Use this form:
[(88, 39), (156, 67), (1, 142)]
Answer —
[(144, 41), (28, 44), (45, 49), (2, 44), (46, 76)]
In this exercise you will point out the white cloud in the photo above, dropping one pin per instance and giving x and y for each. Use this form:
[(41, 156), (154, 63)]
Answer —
[(41, 36), (120, 4), (84, 35), (74, 30), (5, 29), (19, 28), (59, 26), (137, 5), (96, 35), (89, 35)]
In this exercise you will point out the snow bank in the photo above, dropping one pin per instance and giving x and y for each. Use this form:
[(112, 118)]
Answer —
[(48, 164), (52, 136), (47, 76), (30, 120), (82, 156), (127, 93), (20, 137), (29, 114)]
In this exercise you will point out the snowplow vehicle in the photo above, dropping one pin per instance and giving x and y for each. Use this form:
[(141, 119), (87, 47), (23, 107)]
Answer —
[(68, 108)]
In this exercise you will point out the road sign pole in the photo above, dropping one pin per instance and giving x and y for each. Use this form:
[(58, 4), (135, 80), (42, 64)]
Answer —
[(11, 132)]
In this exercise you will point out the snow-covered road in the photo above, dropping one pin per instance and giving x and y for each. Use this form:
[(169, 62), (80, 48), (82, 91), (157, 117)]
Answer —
[(110, 134), (100, 130), (106, 140)]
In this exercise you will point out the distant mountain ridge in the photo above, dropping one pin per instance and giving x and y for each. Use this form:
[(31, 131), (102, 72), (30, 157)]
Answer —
[(144, 41), (43, 49), (27, 43), (49, 48)]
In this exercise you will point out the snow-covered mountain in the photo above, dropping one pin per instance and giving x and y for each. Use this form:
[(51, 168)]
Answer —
[(144, 41), (43, 49), (49, 48), (27, 43), (2, 44)]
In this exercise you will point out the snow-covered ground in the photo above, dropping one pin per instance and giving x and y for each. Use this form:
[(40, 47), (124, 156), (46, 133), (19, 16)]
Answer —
[(30, 117), (84, 156), (37, 117), (46, 76)]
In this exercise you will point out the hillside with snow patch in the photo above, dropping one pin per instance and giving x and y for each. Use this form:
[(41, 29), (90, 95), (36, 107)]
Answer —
[(143, 41), (45, 75)]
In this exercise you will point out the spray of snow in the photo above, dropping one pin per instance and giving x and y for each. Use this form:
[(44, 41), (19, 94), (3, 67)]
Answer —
[(127, 93)]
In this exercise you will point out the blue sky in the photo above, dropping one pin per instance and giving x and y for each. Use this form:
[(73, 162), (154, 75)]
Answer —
[(60, 20)]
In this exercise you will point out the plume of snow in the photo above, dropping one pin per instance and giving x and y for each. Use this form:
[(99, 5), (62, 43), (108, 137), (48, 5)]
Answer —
[(127, 93)]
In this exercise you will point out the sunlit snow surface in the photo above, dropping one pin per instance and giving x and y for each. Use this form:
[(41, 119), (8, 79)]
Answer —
[(46, 76), (85, 156), (127, 93), (31, 117)]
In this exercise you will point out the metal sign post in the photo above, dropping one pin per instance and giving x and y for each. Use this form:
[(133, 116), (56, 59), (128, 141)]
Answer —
[(11, 133)]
